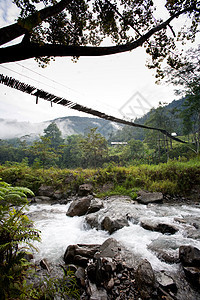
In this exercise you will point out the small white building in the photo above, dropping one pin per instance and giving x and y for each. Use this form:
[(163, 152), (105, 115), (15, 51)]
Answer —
[(118, 143)]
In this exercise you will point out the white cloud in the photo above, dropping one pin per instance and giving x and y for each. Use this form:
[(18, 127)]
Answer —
[(8, 12)]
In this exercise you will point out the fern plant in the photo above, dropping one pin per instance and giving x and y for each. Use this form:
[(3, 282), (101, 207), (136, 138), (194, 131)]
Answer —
[(16, 236)]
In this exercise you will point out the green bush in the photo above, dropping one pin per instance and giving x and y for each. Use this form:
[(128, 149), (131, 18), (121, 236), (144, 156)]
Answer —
[(56, 288), (16, 237)]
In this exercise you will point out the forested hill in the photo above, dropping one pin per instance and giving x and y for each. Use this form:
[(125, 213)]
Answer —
[(171, 112), (10, 129), (70, 125)]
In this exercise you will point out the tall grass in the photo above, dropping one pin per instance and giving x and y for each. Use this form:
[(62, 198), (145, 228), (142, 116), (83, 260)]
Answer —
[(174, 177)]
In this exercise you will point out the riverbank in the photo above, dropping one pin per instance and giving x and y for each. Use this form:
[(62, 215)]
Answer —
[(175, 178)]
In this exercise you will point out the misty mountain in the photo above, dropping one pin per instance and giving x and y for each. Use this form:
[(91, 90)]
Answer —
[(10, 129)]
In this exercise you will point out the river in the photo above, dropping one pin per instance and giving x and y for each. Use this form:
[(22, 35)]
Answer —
[(58, 231)]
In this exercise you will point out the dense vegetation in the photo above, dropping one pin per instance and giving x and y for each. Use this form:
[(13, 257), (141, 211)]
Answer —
[(174, 177), (93, 150), (17, 236)]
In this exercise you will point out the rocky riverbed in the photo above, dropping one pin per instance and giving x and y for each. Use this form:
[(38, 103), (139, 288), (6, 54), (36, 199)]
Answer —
[(123, 249)]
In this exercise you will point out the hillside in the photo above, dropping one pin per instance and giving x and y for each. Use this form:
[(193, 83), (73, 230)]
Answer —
[(173, 110), (10, 129), (68, 125)]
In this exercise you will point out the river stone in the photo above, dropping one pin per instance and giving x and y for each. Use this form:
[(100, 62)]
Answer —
[(96, 293), (189, 256), (145, 279), (147, 197), (85, 189), (110, 248), (80, 254), (41, 199), (46, 190), (160, 227), (79, 207), (166, 282), (95, 205), (58, 194), (45, 265), (113, 225), (80, 276), (193, 275), (92, 221)]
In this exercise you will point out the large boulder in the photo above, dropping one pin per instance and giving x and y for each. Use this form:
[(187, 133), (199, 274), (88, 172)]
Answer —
[(166, 248), (190, 259), (80, 254), (110, 248), (79, 207), (145, 279), (46, 190), (166, 282), (85, 189), (92, 221), (111, 225), (160, 227), (189, 256), (145, 197), (193, 275), (95, 205)]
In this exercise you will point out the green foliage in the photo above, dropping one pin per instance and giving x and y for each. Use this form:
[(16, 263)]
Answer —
[(79, 23), (42, 149), (64, 287), (182, 173), (16, 237), (184, 72), (119, 190), (94, 148), (54, 134), (72, 154)]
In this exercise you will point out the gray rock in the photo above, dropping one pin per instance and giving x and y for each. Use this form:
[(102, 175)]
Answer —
[(145, 279), (95, 205), (189, 256), (166, 282), (160, 227), (96, 293), (46, 190), (41, 199), (45, 265), (58, 195), (147, 197), (92, 221), (113, 225), (85, 189), (80, 254), (110, 248), (79, 207), (80, 276), (193, 275)]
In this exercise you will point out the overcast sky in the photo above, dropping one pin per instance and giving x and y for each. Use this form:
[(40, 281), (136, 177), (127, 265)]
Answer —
[(119, 85)]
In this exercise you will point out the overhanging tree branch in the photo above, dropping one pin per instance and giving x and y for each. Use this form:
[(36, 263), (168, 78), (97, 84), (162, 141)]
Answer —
[(14, 31), (24, 51)]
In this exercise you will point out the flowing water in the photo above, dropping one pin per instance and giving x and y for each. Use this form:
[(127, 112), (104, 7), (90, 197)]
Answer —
[(58, 231)]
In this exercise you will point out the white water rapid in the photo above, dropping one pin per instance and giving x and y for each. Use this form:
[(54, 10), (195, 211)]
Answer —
[(58, 231)]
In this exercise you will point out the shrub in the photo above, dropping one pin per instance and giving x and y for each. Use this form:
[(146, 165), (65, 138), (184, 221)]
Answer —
[(16, 236)]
